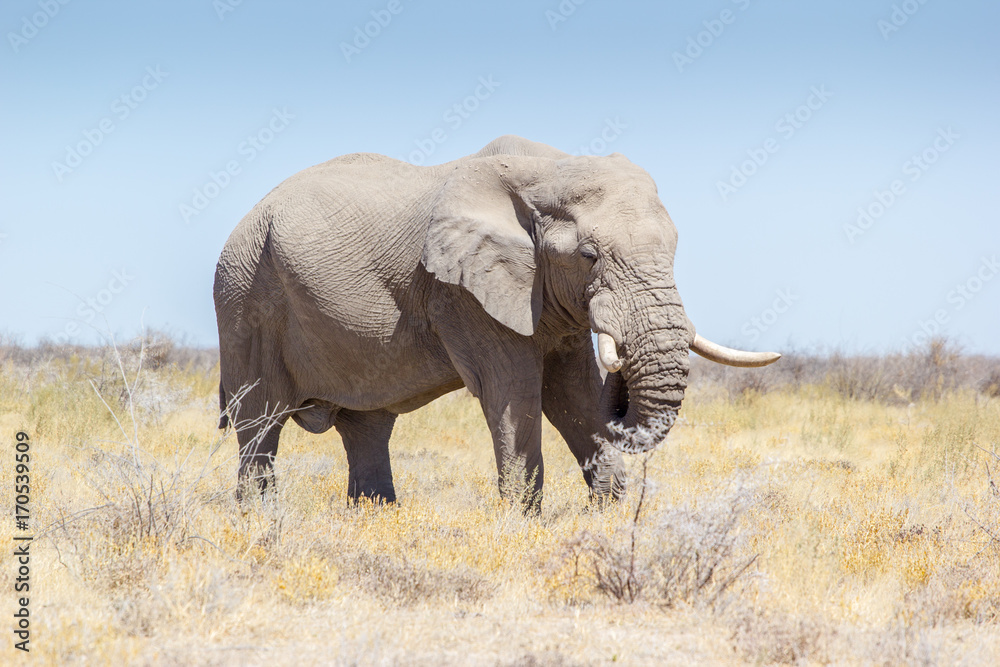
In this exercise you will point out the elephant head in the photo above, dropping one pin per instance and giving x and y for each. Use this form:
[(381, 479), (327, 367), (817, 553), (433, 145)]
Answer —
[(557, 243)]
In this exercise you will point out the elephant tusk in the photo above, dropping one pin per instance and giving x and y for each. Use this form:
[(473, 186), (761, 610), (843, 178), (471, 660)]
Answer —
[(730, 357), (607, 352)]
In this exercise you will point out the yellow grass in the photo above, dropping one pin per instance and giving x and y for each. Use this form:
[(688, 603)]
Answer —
[(862, 529)]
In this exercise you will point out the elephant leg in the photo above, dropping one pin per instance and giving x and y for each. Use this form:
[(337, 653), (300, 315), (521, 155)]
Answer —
[(571, 392), (366, 441), (515, 422), (504, 371), (514, 417), (258, 447)]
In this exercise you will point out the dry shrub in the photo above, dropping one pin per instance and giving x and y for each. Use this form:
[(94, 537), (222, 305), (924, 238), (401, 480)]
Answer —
[(958, 592), (934, 370), (969, 590), (162, 349), (704, 555), (399, 582), (990, 385), (152, 555), (612, 564), (746, 383), (127, 378), (690, 554), (146, 507), (778, 638), (870, 540), (543, 659), (858, 378), (901, 643), (134, 547), (988, 521), (308, 578), (928, 372), (146, 513)]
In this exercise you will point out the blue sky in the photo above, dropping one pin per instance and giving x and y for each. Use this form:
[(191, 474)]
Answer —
[(766, 125)]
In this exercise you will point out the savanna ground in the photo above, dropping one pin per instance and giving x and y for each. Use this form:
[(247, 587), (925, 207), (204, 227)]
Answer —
[(827, 509)]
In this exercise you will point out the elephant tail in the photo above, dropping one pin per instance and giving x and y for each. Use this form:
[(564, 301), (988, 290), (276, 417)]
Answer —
[(223, 415)]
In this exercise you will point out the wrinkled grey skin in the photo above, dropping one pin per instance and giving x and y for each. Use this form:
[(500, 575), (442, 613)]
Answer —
[(366, 287)]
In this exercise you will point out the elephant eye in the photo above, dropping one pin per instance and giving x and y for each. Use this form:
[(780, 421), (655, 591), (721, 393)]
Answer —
[(588, 253)]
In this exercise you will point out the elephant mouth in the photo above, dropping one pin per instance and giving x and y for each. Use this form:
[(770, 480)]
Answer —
[(640, 400), (615, 398), (634, 423), (640, 407)]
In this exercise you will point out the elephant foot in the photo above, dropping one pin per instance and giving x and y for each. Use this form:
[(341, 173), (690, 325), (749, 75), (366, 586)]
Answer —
[(380, 498), (529, 501), (255, 481), (376, 488), (606, 478)]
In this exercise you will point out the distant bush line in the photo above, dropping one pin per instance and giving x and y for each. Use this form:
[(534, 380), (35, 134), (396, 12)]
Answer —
[(926, 373)]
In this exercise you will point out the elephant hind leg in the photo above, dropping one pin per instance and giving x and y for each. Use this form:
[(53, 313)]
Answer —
[(223, 402), (366, 441), (258, 421), (258, 447)]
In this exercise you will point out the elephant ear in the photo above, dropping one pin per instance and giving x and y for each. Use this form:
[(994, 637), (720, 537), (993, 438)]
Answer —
[(480, 237)]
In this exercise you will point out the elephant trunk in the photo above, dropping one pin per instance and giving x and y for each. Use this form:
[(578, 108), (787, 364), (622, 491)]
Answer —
[(641, 402)]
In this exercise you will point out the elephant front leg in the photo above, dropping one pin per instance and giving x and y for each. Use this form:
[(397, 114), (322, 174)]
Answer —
[(571, 394), (515, 421), (504, 371)]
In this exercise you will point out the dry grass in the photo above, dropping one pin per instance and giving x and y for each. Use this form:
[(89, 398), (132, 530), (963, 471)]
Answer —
[(789, 522)]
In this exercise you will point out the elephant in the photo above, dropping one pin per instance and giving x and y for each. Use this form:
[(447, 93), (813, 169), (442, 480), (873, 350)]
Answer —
[(365, 287)]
